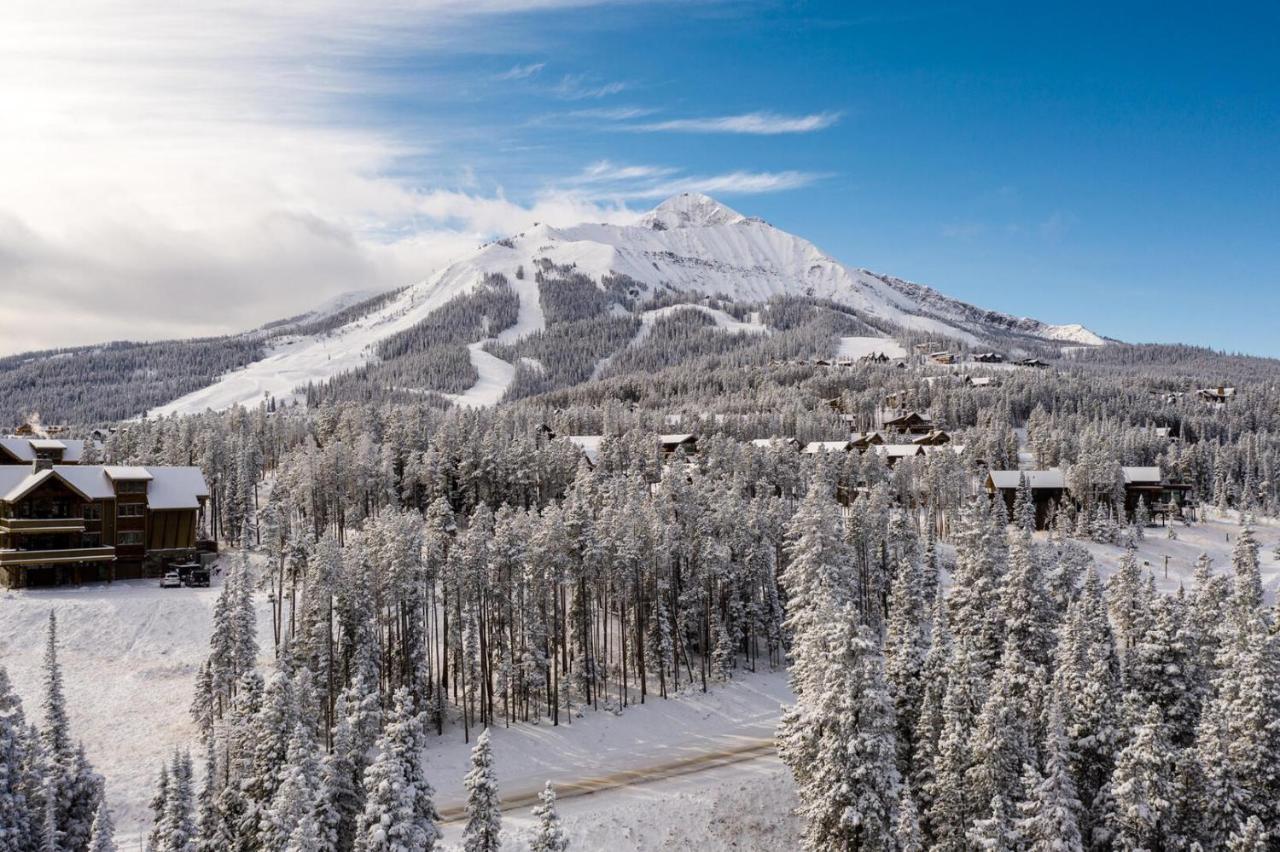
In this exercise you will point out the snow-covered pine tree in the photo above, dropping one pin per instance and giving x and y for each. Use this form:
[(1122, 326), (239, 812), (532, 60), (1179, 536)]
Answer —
[(179, 827), (1142, 788), (16, 830), (397, 815), (102, 837), (1050, 815), (549, 835), (483, 830), (838, 738), (907, 836)]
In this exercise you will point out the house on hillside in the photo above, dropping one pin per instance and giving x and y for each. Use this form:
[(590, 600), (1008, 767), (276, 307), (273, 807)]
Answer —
[(86, 523), (981, 381), (23, 450), (1033, 362), (1218, 396), (988, 357), (1048, 488), (862, 440), (932, 438), (771, 443), (816, 447), (1164, 499), (687, 441), (588, 445), (893, 453), (911, 422)]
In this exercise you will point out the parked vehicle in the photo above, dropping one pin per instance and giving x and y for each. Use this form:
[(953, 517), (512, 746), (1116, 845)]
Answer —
[(171, 580), (196, 577)]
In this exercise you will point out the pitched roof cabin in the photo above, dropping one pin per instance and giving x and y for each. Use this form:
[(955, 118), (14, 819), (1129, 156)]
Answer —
[(770, 443), (988, 357), (815, 447), (670, 443), (20, 449), (891, 453), (863, 440), (1032, 362), (1148, 483), (932, 438), (1048, 487), (942, 357), (86, 523), (911, 422), (1217, 396)]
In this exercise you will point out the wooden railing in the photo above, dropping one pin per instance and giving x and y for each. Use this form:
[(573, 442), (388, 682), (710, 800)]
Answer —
[(39, 525), (47, 557)]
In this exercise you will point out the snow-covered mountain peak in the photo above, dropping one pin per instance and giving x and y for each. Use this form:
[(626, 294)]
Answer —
[(690, 210)]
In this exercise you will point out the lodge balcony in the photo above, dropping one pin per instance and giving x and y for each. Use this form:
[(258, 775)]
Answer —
[(42, 525), (10, 557)]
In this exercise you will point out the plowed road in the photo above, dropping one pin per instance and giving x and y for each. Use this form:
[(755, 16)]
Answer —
[(749, 749)]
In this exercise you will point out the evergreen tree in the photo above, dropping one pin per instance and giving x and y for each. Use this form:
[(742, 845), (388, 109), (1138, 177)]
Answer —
[(398, 815), (102, 836), (550, 836), (1141, 791), (1049, 817), (484, 814)]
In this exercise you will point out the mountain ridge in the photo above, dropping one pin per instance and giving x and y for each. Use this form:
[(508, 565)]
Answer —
[(690, 246)]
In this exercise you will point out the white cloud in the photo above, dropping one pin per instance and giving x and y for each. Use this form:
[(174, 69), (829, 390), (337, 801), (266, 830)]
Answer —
[(577, 87), (522, 72), (183, 169), (752, 123), (607, 180)]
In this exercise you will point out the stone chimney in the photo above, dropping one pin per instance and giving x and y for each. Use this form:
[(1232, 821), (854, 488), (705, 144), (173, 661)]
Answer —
[(41, 464)]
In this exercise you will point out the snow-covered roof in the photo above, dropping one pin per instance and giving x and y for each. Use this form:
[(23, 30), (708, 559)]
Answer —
[(167, 487), (678, 438), (1036, 479), (1142, 475), (588, 444), (897, 451), (21, 486), (827, 447), (126, 472), (19, 448), (176, 488), (25, 449), (772, 442)]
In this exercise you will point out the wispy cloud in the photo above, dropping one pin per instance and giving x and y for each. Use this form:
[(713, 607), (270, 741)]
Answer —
[(577, 87), (112, 218), (752, 123), (605, 180), (522, 72), (623, 113)]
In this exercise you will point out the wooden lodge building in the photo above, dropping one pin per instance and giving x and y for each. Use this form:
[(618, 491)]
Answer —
[(1048, 487), (72, 523)]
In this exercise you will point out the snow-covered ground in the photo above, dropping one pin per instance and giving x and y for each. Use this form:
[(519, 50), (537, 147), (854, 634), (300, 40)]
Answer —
[(130, 652), (860, 347), (1214, 536)]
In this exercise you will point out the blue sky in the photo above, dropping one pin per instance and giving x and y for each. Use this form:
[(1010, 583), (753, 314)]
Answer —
[(1111, 166)]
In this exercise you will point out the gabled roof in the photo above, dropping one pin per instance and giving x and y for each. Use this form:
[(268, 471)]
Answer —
[(167, 487), (176, 488), (897, 451), (25, 449), (18, 448), (1036, 479), (827, 447), (909, 417), (1142, 475), (117, 473), (766, 443), (32, 481)]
